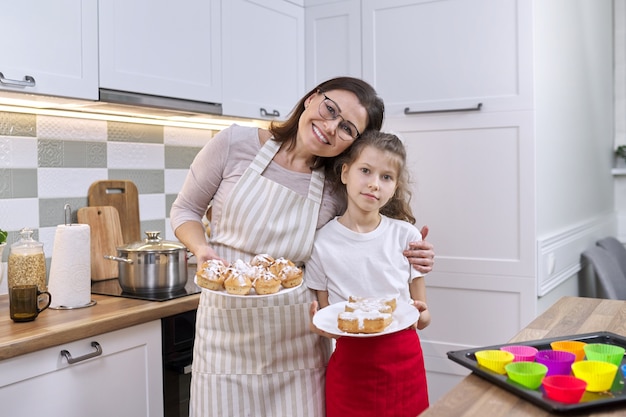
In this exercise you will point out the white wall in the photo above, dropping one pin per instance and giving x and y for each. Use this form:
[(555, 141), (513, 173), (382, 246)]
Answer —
[(574, 112)]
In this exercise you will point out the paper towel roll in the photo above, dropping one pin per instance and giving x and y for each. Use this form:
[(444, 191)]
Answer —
[(70, 268)]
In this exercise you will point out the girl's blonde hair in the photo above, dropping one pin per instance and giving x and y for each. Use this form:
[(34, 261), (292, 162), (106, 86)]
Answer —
[(398, 207)]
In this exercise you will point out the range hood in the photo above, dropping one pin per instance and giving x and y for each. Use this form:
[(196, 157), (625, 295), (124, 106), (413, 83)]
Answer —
[(158, 102), (126, 106)]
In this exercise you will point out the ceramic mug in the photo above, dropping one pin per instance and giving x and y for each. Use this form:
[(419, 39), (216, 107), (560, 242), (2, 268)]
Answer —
[(24, 302)]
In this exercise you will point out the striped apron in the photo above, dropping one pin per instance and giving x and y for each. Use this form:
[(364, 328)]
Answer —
[(257, 356)]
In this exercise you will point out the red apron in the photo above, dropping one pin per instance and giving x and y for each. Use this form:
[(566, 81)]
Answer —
[(377, 376)]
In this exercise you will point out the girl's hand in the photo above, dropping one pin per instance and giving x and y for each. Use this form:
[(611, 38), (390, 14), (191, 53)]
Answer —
[(424, 319), (421, 254), (312, 310)]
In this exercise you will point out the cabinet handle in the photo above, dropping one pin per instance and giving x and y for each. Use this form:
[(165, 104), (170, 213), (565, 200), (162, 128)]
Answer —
[(274, 113), (477, 108), (28, 81), (71, 360)]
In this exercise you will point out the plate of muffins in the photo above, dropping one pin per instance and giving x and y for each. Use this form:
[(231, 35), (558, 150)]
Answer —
[(365, 317), (263, 276)]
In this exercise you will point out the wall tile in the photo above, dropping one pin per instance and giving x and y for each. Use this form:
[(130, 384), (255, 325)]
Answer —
[(150, 225), (67, 182), (68, 154), (169, 200), (181, 136), (65, 128), (174, 179), (147, 181), (135, 155), (132, 132), (16, 213), (17, 152), (18, 124), (18, 183), (52, 210), (151, 206), (179, 156)]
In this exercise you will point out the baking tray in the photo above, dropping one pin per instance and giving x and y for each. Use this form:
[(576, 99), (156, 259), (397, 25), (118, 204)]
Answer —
[(616, 397)]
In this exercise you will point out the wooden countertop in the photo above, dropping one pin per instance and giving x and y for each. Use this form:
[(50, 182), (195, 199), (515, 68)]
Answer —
[(476, 397), (55, 327)]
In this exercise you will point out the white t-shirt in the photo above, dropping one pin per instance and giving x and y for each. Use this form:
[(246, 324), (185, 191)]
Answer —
[(370, 264)]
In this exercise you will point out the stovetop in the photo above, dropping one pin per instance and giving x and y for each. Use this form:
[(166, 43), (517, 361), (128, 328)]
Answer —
[(112, 287)]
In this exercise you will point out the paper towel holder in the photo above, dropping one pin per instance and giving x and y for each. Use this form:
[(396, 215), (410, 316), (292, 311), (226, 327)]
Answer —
[(67, 209)]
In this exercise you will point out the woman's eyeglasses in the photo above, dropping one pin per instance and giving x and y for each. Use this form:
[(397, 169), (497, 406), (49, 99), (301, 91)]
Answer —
[(329, 110)]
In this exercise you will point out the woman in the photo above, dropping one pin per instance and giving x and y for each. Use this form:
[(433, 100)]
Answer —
[(256, 356)]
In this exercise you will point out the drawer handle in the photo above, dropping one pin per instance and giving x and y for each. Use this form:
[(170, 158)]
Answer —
[(274, 113), (477, 108), (71, 360), (28, 81)]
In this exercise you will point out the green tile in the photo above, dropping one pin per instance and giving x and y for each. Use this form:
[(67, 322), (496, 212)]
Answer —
[(179, 157)]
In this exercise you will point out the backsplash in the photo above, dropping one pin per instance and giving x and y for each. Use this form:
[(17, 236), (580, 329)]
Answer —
[(47, 162)]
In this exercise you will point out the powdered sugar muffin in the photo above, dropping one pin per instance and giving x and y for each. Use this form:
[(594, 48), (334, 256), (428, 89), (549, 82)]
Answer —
[(236, 282), (211, 275), (266, 283), (290, 276)]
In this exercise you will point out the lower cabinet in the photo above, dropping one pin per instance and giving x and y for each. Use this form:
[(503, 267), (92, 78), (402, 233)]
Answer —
[(125, 379)]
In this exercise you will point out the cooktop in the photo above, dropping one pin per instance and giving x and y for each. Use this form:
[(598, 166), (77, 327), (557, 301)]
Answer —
[(112, 287)]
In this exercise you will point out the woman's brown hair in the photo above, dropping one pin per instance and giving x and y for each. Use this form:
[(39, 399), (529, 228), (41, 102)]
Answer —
[(287, 130)]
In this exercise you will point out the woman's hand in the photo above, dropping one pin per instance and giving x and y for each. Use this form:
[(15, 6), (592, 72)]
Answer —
[(312, 310), (421, 254), (424, 319), (205, 253)]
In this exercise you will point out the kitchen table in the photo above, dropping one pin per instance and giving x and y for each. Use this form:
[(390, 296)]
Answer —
[(476, 397)]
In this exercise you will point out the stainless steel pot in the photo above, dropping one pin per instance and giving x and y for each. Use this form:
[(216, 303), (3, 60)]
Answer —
[(152, 265)]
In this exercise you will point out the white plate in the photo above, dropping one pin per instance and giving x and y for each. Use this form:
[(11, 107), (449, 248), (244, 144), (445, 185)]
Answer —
[(253, 293), (326, 320)]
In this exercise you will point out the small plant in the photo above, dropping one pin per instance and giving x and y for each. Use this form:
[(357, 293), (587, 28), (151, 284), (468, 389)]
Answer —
[(3, 236), (621, 151)]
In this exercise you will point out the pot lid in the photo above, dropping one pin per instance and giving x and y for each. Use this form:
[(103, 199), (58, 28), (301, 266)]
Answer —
[(153, 243)]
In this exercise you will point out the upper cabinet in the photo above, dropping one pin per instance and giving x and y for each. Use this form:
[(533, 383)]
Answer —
[(263, 57), (455, 54), (435, 56), (161, 48), (333, 41), (50, 47)]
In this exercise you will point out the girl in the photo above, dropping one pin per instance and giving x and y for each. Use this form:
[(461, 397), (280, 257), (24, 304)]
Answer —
[(359, 253)]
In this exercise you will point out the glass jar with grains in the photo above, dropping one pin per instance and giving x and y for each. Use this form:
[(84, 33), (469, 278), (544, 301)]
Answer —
[(27, 262)]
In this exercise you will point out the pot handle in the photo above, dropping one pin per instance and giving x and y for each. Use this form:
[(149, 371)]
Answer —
[(115, 258)]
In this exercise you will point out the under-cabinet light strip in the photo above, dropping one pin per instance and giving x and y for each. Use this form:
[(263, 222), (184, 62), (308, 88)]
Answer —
[(208, 124)]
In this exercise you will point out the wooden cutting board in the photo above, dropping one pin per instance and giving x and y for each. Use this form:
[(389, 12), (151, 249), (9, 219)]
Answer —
[(122, 195), (106, 236)]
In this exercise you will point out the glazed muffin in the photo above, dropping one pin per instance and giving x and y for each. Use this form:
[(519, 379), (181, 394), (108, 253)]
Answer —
[(266, 283), (279, 264), (211, 275), (263, 260), (236, 282), (290, 276)]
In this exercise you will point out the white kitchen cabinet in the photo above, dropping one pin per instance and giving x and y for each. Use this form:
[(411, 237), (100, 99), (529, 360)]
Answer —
[(448, 54), (426, 56), (333, 41), (50, 47), (161, 48), (125, 380), (263, 57)]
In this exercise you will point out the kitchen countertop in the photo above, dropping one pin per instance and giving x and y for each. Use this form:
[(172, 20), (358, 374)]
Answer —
[(474, 396), (56, 327)]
